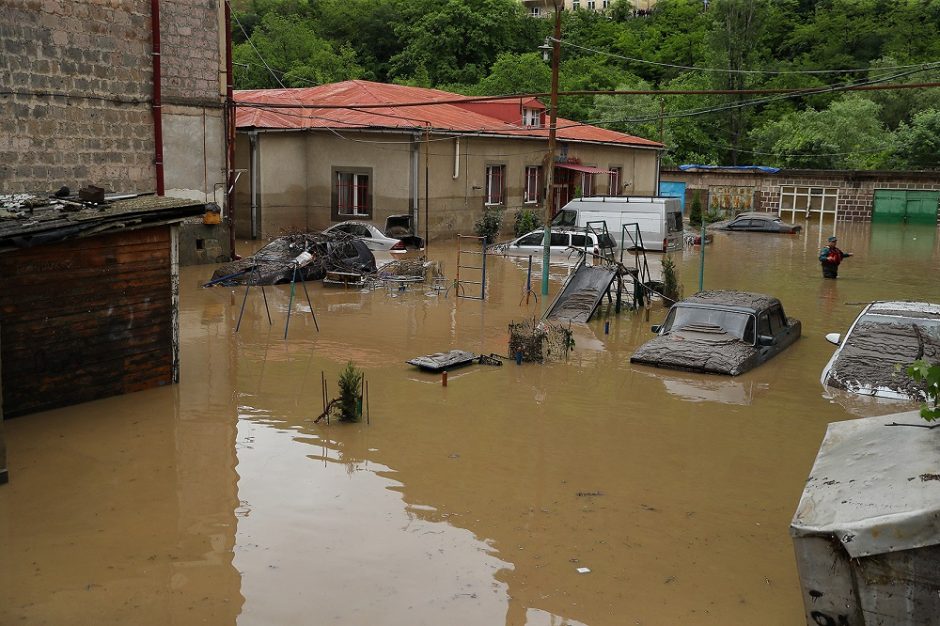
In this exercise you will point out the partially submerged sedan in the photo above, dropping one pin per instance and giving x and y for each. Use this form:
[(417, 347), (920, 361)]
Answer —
[(720, 332), (756, 222), (883, 340)]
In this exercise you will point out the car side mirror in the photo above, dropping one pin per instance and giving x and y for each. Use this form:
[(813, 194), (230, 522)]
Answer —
[(655, 328), (834, 338), (765, 340)]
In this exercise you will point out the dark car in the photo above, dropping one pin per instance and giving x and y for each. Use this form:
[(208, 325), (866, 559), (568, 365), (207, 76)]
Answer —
[(720, 332), (757, 223), (882, 337)]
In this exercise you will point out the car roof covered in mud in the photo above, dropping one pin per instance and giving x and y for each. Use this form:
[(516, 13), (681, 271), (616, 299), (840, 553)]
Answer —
[(883, 336), (744, 301)]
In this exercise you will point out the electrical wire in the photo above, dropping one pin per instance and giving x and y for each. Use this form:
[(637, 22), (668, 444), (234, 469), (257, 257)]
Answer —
[(732, 71)]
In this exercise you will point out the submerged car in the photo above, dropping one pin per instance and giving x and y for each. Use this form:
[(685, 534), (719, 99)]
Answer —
[(563, 240), (720, 332), (884, 339), (396, 238), (755, 222)]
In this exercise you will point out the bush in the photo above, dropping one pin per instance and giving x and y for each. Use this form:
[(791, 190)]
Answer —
[(489, 224), (670, 279), (350, 397), (924, 372), (525, 220), (695, 212)]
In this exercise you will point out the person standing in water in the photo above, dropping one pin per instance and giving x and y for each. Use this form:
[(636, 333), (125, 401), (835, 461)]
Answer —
[(830, 257)]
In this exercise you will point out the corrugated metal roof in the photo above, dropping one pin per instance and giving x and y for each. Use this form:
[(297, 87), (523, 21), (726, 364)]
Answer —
[(334, 106)]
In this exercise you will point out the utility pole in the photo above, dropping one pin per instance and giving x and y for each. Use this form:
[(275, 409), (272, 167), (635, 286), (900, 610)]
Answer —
[(550, 157)]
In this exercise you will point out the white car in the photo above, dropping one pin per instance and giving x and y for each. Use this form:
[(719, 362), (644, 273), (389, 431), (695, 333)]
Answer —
[(374, 238), (563, 240), (883, 340)]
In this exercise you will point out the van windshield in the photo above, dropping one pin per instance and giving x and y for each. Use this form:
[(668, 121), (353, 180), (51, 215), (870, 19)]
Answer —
[(566, 217)]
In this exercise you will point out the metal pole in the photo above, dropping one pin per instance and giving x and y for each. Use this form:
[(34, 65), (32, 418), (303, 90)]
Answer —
[(290, 301), (427, 199), (701, 265), (550, 157)]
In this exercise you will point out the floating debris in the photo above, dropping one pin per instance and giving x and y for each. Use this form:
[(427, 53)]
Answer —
[(537, 341)]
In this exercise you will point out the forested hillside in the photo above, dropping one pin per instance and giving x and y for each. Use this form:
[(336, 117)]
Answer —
[(490, 47)]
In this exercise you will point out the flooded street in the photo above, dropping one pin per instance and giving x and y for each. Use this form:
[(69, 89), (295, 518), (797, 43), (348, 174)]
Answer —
[(220, 501)]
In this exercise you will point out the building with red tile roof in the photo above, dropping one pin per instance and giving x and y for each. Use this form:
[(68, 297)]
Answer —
[(365, 150)]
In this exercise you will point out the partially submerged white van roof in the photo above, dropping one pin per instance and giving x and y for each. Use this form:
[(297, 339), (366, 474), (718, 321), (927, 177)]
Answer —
[(625, 203)]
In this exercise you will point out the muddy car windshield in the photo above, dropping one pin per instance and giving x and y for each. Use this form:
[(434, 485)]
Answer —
[(737, 324)]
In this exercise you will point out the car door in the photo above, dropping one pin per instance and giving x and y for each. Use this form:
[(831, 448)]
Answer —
[(739, 225), (784, 334)]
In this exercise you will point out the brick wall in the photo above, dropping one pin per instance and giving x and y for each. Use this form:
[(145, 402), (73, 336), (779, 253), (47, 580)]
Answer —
[(856, 188), (75, 87)]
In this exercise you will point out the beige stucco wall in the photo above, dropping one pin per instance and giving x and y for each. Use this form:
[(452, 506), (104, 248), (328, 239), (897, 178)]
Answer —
[(295, 181)]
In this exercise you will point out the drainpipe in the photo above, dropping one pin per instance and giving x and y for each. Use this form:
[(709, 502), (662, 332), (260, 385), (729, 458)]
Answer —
[(456, 158), (254, 179), (229, 130), (413, 184), (157, 105)]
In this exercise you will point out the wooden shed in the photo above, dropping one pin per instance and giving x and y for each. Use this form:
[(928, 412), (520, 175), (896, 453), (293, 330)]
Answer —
[(88, 299)]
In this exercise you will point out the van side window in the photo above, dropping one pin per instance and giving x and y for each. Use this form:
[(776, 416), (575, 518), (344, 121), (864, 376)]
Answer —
[(559, 239), (532, 239), (674, 221), (566, 217), (577, 241)]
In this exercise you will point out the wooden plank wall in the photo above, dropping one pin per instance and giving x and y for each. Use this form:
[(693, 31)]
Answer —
[(86, 319)]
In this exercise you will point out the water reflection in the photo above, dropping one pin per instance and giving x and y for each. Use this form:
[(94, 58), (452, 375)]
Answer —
[(474, 503)]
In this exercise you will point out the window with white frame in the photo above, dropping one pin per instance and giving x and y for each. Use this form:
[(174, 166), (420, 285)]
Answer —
[(532, 118), (606, 4), (591, 5), (797, 202), (495, 178), (352, 193), (535, 11), (575, 5), (533, 184), (613, 181), (587, 184)]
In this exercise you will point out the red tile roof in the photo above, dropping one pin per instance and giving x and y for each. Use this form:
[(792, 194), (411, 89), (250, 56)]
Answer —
[(335, 106)]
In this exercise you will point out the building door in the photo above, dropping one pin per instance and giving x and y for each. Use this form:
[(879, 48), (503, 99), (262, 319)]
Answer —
[(902, 206), (671, 189)]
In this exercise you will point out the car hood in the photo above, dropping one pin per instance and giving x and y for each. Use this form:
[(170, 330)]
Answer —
[(716, 353)]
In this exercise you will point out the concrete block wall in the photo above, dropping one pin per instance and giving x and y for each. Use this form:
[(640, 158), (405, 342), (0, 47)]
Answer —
[(856, 188), (76, 88)]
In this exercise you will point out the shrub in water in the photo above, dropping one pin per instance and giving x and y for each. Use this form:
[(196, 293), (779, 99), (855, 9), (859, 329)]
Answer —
[(695, 212), (349, 396), (525, 220), (488, 225)]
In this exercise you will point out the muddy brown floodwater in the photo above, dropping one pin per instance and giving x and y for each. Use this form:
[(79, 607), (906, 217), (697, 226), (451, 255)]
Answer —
[(219, 501)]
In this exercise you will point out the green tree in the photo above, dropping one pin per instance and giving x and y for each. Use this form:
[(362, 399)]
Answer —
[(295, 55), (846, 135), (515, 73), (917, 146)]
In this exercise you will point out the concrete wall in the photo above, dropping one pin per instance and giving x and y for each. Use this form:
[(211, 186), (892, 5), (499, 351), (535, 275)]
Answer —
[(77, 83), (856, 189), (295, 176)]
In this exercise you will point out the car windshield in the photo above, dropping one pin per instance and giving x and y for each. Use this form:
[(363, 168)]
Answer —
[(735, 323)]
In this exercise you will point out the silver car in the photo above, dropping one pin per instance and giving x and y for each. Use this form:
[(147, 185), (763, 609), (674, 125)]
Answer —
[(374, 238), (884, 339), (563, 240)]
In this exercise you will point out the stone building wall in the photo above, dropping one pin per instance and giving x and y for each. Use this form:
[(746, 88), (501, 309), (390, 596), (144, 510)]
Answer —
[(856, 189), (76, 90)]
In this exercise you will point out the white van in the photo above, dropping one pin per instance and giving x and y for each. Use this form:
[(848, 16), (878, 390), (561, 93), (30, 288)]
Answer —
[(659, 219)]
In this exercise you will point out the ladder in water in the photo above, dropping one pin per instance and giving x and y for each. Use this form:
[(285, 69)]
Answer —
[(471, 257), (640, 270)]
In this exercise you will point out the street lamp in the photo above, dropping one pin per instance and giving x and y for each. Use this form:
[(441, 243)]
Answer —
[(550, 157)]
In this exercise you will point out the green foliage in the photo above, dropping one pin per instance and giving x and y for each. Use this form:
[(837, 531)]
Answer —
[(350, 396), (670, 278), (695, 211), (297, 56), (525, 220), (489, 223), (917, 146), (488, 47), (846, 135), (922, 371)]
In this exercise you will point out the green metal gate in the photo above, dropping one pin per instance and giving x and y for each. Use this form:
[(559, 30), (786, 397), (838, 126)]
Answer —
[(901, 206)]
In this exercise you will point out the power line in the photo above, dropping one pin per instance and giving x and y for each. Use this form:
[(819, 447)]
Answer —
[(731, 71)]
